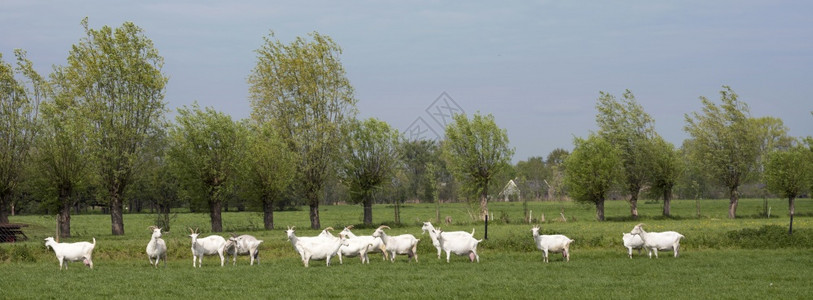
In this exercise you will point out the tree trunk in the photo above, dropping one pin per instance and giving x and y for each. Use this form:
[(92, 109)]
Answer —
[(5, 198), (64, 219), (215, 207), (600, 210), (667, 203), (483, 205), (634, 204), (368, 209), (732, 205), (116, 214), (792, 209), (314, 215), (268, 213)]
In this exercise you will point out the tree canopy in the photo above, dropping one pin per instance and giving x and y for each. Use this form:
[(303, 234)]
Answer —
[(116, 75), (476, 150), (591, 171), (723, 140), (370, 157), (302, 87)]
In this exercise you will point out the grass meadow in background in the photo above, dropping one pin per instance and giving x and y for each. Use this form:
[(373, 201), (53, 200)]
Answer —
[(749, 257)]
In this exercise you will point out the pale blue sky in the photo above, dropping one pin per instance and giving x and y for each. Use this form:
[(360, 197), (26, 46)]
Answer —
[(537, 67)]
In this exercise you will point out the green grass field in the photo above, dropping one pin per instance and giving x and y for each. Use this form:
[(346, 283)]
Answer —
[(720, 258)]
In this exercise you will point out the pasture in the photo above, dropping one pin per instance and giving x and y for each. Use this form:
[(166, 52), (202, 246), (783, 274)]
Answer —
[(749, 257)]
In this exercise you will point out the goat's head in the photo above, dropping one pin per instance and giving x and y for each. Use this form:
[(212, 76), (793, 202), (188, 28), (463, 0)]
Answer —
[(380, 230), (427, 226), (156, 232), (48, 242), (290, 232), (193, 234), (346, 230), (637, 229), (535, 229)]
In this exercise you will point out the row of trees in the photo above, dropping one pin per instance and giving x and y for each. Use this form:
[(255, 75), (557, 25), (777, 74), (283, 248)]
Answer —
[(727, 148), (96, 129)]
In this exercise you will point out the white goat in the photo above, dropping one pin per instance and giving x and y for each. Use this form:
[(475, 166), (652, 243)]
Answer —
[(314, 248), (552, 243), (654, 241), (427, 227), (157, 248), (210, 245), (632, 242), (72, 251), (401, 244), (352, 247), (243, 244), (377, 244), (460, 244)]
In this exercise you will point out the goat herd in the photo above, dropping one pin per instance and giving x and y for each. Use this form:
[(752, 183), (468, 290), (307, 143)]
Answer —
[(326, 245)]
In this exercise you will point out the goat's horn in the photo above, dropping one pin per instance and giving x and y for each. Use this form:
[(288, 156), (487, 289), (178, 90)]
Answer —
[(639, 224), (384, 226), (329, 228), (197, 229), (349, 227), (293, 227), (190, 230)]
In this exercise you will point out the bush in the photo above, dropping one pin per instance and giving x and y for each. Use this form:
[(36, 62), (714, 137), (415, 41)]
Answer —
[(769, 237)]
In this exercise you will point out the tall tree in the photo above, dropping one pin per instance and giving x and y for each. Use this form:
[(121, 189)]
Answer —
[(206, 148), (19, 102), (370, 157), (116, 74), (476, 150), (60, 167), (269, 165), (624, 123), (666, 166), (302, 87), (591, 171), (788, 173), (724, 141)]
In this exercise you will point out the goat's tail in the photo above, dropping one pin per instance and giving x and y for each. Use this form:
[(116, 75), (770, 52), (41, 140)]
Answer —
[(472, 231), (94, 242)]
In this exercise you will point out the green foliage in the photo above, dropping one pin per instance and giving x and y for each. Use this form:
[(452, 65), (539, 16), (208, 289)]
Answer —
[(788, 173), (476, 151), (116, 76), (723, 142), (769, 237), (302, 87), (19, 101), (206, 148), (267, 168), (592, 170), (626, 125), (370, 157)]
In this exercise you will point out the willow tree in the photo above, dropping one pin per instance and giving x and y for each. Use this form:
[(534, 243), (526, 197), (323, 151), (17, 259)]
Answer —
[(476, 150), (591, 171), (789, 173), (302, 88), (268, 167), (116, 74), (369, 159), (59, 159), (666, 167), (724, 140), (206, 148), (624, 123), (19, 101)]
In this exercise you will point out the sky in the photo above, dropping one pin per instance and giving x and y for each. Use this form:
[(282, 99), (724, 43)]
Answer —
[(536, 66)]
